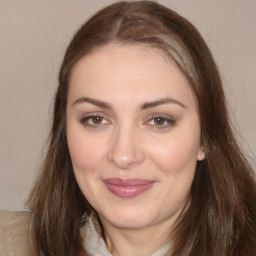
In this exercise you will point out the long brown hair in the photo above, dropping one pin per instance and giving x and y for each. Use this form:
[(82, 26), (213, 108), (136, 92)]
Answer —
[(220, 217)]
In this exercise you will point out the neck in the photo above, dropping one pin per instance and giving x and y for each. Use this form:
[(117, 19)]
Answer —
[(130, 242)]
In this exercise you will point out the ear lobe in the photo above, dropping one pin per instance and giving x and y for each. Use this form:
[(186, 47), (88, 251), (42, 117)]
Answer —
[(201, 154)]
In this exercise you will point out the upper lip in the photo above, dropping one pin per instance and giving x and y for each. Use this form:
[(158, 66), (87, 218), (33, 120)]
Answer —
[(127, 182)]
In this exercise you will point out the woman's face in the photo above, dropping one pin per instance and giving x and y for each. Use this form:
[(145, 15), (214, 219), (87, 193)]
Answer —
[(133, 134)]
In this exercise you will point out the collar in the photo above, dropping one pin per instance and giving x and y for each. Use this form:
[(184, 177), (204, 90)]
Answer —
[(95, 245)]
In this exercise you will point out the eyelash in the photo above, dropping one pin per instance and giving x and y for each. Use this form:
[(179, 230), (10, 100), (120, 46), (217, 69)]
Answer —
[(167, 121), (85, 120)]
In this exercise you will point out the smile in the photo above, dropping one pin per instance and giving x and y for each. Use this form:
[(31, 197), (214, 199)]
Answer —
[(127, 188)]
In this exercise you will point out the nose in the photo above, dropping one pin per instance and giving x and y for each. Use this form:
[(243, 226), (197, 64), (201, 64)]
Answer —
[(125, 150)]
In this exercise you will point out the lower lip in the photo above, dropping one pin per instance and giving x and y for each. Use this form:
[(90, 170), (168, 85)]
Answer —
[(128, 191)]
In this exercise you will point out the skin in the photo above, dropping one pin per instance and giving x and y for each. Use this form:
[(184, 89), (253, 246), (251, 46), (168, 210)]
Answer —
[(127, 140)]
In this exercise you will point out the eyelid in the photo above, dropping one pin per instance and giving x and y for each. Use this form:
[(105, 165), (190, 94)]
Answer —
[(169, 119), (88, 116)]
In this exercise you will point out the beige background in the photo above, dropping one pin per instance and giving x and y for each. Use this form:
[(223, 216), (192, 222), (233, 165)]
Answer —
[(33, 37)]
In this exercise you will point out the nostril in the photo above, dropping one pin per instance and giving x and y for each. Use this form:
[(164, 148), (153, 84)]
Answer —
[(125, 160), (125, 152)]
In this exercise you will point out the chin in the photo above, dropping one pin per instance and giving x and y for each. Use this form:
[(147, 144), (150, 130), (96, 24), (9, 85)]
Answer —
[(128, 219), (129, 223)]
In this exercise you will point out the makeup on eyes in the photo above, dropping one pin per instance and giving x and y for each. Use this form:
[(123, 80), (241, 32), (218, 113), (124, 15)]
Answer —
[(95, 120), (159, 117), (155, 121), (160, 121)]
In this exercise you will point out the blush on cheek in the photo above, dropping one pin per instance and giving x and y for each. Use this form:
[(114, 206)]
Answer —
[(176, 156), (85, 151)]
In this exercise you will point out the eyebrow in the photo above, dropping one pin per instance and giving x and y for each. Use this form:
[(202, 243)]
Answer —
[(95, 102), (156, 103), (144, 106)]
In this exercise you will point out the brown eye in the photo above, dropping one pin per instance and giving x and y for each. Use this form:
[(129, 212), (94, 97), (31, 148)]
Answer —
[(94, 121), (159, 121), (97, 119)]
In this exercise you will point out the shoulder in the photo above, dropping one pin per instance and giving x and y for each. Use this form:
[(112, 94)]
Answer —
[(7, 217), (15, 233)]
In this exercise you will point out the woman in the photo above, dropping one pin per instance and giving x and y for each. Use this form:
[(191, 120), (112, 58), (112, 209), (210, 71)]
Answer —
[(141, 158)]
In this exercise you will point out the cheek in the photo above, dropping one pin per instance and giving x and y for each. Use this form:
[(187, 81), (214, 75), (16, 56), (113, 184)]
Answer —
[(86, 151), (177, 154)]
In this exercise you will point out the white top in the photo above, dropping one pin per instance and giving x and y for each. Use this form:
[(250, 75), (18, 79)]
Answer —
[(15, 233), (15, 236), (95, 244)]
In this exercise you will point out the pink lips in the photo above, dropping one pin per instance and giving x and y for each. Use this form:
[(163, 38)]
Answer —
[(127, 188)]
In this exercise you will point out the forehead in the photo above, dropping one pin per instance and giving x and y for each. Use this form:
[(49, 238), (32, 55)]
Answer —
[(129, 72)]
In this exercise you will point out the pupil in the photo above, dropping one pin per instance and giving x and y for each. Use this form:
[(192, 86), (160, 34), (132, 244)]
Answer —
[(159, 121), (96, 119)]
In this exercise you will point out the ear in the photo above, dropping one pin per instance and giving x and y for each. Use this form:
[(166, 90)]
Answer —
[(201, 154)]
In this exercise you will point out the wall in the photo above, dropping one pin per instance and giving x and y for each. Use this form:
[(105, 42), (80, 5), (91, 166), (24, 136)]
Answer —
[(33, 38)]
